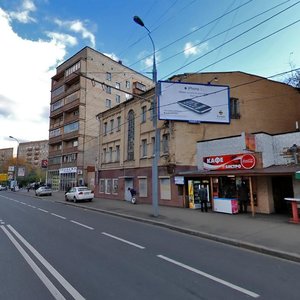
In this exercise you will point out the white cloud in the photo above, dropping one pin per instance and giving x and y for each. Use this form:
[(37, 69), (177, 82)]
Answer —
[(22, 15), (62, 39), (78, 27), (112, 56), (26, 69), (190, 49)]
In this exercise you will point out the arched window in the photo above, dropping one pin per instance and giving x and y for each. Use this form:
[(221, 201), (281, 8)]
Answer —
[(130, 141)]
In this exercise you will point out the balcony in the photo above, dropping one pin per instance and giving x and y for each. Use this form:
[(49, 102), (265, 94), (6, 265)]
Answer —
[(55, 152)]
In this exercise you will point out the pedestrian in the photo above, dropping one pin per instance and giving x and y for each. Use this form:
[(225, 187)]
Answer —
[(243, 197), (203, 198), (133, 194)]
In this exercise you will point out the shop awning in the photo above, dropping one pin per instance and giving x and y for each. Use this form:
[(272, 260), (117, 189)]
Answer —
[(273, 171)]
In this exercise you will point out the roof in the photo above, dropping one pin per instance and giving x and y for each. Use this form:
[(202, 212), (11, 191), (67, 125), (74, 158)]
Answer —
[(273, 170)]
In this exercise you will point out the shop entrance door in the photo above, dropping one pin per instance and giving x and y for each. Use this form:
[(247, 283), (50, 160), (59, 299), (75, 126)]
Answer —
[(282, 188), (128, 183)]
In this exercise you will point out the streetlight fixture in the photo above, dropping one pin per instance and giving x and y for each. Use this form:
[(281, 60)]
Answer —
[(139, 21), (16, 170)]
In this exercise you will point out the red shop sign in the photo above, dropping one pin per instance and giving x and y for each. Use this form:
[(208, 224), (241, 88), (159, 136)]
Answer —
[(229, 162)]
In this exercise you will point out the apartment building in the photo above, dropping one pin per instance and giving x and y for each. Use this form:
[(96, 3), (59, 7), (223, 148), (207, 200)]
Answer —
[(5, 155), (126, 136), (34, 152), (84, 85)]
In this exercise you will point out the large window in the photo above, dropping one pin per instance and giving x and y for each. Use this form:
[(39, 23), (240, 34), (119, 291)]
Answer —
[(118, 123), (115, 186), (165, 143), (143, 192), (144, 148), (143, 114), (165, 188), (71, 127), (111, 125), (108, 76), (72, 69), (117, 153), (55, 132), (58, 104), (130, 140)]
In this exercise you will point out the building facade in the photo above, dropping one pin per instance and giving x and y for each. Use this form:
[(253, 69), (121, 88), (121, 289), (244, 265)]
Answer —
[(126, 149), (34, 152), (5, 155), (83, 86)]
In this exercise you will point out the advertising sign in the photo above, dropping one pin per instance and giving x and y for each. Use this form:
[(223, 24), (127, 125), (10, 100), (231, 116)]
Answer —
[(44, 163), (243, 161), (193, 102)]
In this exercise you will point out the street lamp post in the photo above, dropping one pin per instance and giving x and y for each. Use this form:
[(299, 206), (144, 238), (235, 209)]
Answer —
[(17, 162), (139, 21)]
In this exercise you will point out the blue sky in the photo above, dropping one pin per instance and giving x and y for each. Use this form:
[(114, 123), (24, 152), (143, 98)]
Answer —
[(189, 35)]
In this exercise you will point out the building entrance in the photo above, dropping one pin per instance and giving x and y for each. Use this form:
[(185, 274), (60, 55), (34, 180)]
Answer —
[(282, 188)]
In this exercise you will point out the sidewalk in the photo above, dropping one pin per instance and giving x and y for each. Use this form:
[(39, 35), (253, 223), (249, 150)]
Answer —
[(270, 234)]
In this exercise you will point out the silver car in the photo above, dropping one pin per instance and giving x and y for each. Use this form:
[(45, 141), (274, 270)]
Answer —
[(43, 191), (78, 193)]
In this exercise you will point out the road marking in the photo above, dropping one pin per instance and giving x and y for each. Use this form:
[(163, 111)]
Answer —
[(80, 224), (43, 210), (31, 206), (73, 292), (221, 281), (53, 290), (53, 214), (124, 241)]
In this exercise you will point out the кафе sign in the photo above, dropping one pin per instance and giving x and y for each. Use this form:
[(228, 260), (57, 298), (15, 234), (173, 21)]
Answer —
[(244, 161)]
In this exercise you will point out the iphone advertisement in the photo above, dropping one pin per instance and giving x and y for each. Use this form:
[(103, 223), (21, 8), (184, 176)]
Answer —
[(194, 103)]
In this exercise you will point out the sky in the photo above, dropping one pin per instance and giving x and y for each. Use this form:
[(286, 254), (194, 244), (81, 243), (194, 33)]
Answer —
[(253, 36)]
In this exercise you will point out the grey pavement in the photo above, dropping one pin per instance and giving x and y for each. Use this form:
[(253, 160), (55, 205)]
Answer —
[(269, 234)]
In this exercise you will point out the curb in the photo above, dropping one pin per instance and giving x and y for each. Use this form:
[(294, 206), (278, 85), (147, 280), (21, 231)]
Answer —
[(232, 242)]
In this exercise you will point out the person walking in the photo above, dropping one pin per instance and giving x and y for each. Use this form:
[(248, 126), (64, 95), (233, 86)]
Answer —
[(203, 198), (133, 195), (243, 197)]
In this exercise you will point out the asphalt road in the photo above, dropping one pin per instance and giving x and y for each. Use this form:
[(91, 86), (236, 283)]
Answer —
[(50, 250)]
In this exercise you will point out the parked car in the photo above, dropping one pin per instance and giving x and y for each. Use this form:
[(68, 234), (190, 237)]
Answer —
[(3, 187), (79, 193), (43, 191)]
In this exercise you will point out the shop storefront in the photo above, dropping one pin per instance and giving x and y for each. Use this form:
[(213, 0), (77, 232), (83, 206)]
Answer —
[(225, 177)]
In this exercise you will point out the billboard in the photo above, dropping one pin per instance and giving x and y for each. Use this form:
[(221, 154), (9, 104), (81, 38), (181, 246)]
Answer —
[(193, 102)]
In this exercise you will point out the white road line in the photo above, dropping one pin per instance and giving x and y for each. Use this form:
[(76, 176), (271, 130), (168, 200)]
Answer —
[(221, 281), (31, 206), (124, 241), (55, 215), (43, 210), (73, 292), (53, 290), (80, 224)]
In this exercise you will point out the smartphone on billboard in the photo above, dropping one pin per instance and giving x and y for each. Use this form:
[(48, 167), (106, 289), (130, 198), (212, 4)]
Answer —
[(195, 106)]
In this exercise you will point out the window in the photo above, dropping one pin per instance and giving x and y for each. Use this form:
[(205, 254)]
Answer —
[(165, 143), (118, 85), (104, 155), (105, 128), (108, 89), (102, 186), (130, 138), (58, 104), (144, 148), (55, 132), (108, 103), (115, 186), (117, 153), (110, 151), (72, 69), (118, 123), (118, 99), (108, 186), (143, 192), (75, 143), (111, 125), (108, 76), (153, 145), (234, 108), (127, 84), (165, 188), (143, 114), (71, 127), (76, 112)]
